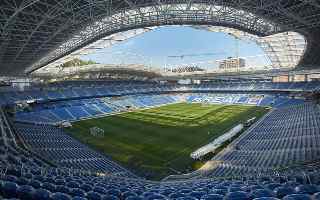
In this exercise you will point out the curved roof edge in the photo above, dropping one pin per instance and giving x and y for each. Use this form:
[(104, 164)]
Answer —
[(148, 16), (284, 50)]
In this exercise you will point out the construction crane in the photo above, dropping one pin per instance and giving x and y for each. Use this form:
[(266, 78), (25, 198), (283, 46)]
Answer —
[(190, 55), (196, 55)]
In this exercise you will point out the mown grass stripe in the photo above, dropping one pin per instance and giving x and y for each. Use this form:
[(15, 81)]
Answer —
[(154, 142)]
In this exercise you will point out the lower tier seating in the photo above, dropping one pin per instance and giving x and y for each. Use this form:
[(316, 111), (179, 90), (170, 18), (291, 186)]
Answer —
[(61, 184), (249, 169), (284, 137)]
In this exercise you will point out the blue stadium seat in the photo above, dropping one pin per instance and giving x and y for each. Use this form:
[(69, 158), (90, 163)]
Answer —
[(187, 198), (60, 196), (176, 195), (86, 187), (261, 193), (221, 191), (62, 189), (110, 197), (307, 189), (134, 198), (128, 194), (114, 192), (212, 197), (73, 184), (77, 192), (266, 198), (196, 194), (10, 189), (79, 198), (297, 197), (42, 194), (94, 195), (154, 196), (239, 195), (35, 183), (49, 186), (100, 190), (316, 196), (272, 186), (26, 192), (283, 191), (23, 181)]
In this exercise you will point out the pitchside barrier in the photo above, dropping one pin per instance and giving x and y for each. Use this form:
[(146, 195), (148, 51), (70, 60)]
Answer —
[(212, 146)]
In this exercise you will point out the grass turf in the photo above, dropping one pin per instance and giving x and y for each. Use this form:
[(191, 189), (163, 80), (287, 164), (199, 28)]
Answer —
[(157, 142)]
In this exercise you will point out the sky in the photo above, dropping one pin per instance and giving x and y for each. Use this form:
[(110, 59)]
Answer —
[(154, 47)]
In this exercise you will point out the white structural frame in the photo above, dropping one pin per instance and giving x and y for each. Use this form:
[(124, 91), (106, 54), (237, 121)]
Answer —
[(35, 33)]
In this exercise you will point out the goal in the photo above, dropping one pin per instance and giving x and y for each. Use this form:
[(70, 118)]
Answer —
[(97, 132)]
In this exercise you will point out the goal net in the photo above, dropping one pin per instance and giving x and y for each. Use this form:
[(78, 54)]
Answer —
[(97, 132)]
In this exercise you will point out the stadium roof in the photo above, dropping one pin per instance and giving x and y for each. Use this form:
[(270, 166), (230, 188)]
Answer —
[(35, 33)]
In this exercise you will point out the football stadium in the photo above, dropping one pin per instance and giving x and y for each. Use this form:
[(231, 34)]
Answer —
[(231, 127)]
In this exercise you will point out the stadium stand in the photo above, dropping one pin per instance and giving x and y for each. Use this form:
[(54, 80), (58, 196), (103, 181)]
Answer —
[(286, 136), (276, 158), (87, 108), (34, 181), (64, 151), (90, 89)]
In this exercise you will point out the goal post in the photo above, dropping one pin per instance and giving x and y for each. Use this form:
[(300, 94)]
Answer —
[(205, 102), (96, 132)]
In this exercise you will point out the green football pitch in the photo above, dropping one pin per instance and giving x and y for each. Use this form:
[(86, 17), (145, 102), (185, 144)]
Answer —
[(157, 142)]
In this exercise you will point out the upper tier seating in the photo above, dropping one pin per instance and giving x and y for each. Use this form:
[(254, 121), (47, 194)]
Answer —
[(86, 108), (73, 110), (92, 89)]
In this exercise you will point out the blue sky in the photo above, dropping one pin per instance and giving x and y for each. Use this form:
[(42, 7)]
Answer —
[(154, 47)]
